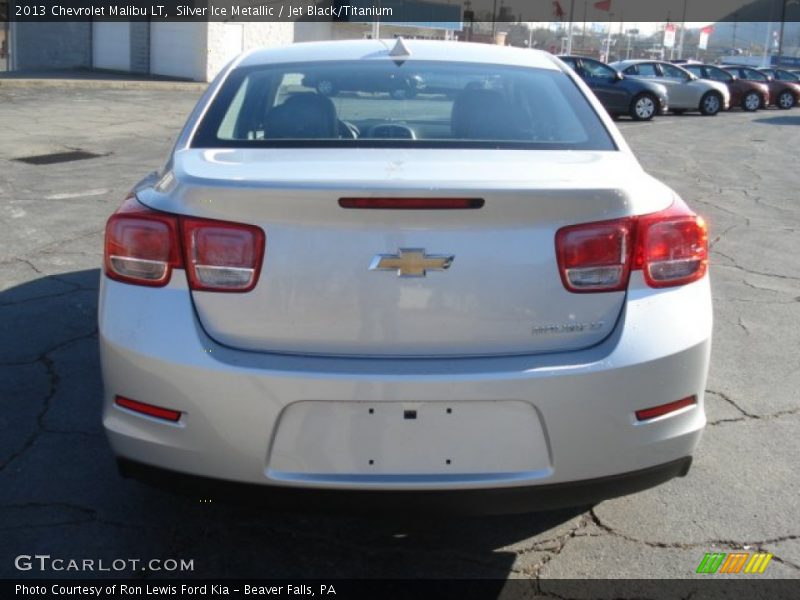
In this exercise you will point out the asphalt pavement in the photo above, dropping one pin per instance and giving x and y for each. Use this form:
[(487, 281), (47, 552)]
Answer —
[(61, 495)]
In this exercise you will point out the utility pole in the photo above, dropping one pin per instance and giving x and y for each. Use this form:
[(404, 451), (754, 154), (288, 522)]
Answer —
[(784, 4), (765, 60), (607, 50), (469, 17), (376, 24), (683, 30), (569, 32), (494, 19), (583, 31)]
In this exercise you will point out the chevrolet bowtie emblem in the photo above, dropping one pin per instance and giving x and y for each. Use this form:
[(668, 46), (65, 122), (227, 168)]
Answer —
[(411, 262)]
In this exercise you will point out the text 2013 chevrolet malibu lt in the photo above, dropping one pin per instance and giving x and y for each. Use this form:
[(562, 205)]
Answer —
[(467, 290)]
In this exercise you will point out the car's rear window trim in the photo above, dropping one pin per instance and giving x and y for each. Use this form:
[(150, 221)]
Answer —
[(398, 143)]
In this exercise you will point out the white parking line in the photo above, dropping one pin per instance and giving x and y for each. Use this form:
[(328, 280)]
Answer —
[(89, 193)]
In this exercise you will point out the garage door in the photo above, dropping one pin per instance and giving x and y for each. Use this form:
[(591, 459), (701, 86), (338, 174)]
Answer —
[(111, 46), (178, 50)]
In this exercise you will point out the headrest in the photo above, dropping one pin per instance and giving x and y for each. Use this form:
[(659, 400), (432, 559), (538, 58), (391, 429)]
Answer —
[(302, 116)]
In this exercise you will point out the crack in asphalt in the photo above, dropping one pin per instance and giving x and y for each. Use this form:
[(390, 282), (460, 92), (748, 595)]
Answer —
[(736, 265), (53, 380), (744, 327), (733, 544), (747, 415), (75, 287), (721, 235), (53, 384), (763, 288), (724, 209), (785, 562), (91, 515), (72, 432), (560, 541), (49, 296), (48, 248), (55, 348), (762, 202)]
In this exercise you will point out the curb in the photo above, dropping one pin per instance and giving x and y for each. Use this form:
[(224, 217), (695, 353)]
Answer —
[(101, 84)]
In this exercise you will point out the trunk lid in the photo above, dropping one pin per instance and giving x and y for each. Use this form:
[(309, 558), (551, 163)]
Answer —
[(502, 293)]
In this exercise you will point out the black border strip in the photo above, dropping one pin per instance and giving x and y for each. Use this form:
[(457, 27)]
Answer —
[(426, 12)]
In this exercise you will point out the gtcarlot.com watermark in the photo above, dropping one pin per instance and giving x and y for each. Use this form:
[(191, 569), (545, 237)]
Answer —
[(44, 563)]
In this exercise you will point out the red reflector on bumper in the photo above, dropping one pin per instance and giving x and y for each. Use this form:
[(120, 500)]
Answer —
[(412, 203), (148, 409), (658, 411)]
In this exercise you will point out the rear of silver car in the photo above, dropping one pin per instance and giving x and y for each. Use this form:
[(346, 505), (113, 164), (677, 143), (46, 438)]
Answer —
[(398, 318)]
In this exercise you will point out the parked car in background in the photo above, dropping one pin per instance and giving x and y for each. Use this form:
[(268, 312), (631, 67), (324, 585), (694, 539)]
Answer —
[(781, 74), (783, 94), (687, 92), (437, 83), (749, 95), (398, 85), (620, 95), (502, 311), (785, 77)]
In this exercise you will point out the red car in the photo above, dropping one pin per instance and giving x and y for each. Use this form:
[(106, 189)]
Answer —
[(783, 94), (750, 95)]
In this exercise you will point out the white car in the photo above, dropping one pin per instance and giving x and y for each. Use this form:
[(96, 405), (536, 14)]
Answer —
[(483, 296), (686, 91)]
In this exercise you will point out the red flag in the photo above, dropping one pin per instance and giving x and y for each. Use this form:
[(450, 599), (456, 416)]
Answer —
[(558, 11), (603, 5)]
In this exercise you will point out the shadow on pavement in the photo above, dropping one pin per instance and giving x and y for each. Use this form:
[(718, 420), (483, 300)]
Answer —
[(784, 120), (61, 494)]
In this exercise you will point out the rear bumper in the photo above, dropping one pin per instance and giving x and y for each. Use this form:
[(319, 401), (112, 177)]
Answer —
[(451, 502), (237, 405)]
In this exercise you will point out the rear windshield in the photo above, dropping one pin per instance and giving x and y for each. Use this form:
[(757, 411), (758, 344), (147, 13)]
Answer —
[(410, 103)]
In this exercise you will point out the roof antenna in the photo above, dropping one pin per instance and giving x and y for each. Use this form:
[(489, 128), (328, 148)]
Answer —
[(400, 52)]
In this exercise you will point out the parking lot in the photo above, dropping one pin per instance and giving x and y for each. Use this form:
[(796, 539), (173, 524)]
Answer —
[(60, 493)]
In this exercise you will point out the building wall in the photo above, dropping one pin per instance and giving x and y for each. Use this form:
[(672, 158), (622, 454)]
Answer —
[(179, 50), (50, 45), (111, 45), (228, 40), (196, 51), (140, 47), (358, 31), (3, 47), (309, 31)]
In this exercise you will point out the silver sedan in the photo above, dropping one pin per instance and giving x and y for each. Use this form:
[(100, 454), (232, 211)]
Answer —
[(686, 91), (479, 294)]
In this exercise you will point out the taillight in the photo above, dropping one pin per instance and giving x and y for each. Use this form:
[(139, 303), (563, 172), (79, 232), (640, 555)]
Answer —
[(143, 246), (221, 256), (595, 257), (671, 248)]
